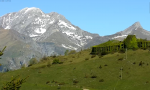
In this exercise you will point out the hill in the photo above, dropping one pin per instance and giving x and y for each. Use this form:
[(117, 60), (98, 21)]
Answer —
[(81, 70)]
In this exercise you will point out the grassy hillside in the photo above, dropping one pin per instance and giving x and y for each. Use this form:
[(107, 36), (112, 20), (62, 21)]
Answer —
[(82, 70), (108, 43)]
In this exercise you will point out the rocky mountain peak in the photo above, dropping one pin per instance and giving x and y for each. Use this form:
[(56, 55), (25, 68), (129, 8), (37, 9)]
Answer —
[(32, 9), (137, 25)]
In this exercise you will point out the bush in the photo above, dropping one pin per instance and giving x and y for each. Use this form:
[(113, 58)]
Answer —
[(14, 84), (73, 56), (105, 65), (72, 52), (122, 51), (86, 76), (93, 76), (47, 82), (144, 48), (48, 64), (23, 66), (44, 58), (61, 62), (120, 59), (32, 62), (66, 52), (134, 49), (55, 61), (75, 81), (62, 83), (134, 62), (101, 80), (93, 56), (86, 58), (42, 66), (100, 66), (104, 53)]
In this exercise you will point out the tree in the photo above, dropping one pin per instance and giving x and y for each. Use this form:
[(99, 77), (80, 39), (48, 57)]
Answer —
[(72, 52), (1, 53), (66, 52), (32, 61), (14, 84), (131, 42)]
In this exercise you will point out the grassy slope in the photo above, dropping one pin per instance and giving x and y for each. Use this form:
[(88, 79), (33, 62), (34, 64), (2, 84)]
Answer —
[(76, 67), (108, 43)]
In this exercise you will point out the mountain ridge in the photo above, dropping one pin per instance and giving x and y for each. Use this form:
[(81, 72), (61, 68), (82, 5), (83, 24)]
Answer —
[(46, 34)]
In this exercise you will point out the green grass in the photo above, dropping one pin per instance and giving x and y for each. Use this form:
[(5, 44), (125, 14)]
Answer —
[(76, 67), (109, 43)]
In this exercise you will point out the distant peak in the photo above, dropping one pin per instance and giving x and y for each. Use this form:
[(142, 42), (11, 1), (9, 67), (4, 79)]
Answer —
[(27, 9), (137, 24), (54, 13)]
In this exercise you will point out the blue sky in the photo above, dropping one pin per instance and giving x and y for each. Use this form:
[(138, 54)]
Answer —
[(103, 17)]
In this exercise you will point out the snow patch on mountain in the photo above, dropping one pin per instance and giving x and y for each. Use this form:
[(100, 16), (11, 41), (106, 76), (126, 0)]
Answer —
[(72, 34), (51, 22), (33, 35), (69, 47), (40, 30), (63, 24), (88, 37), (32, 8), (120, 36), (8, 27)]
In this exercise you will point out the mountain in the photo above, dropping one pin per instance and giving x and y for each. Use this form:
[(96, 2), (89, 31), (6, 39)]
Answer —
[(135, 29), (31, 32)]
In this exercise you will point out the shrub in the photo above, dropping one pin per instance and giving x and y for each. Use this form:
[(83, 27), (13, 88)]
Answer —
[(144, 48), (14, 84), (120, 59), (75, 81), (104, 53), (93, 56), (134, 62), (55, 61), (66, 52), (73, 56), (39, 72), (48, 64), (141, 63), (86, 58), (122, 51), (62, 83), (61, 62), (32, 61), (72, 52), (42, 66), (134, 49), (44, 58), (100, 66), (101, 80), (93, 76), (86, 76), (23, 66), (105, 65), (112, 52), (47, 82), (53, 56)]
